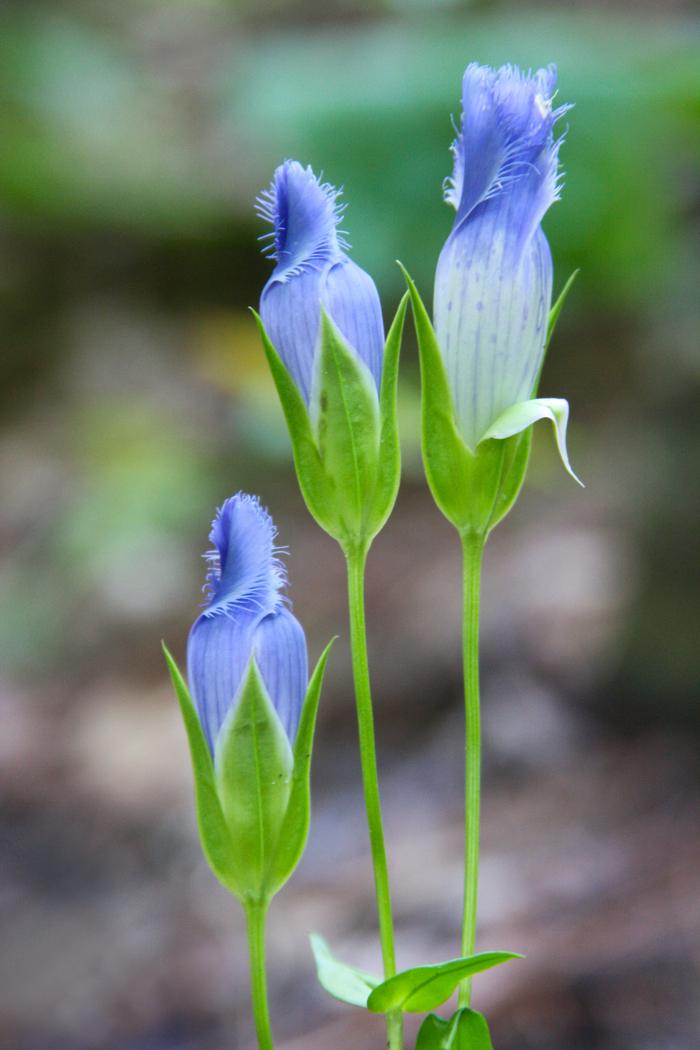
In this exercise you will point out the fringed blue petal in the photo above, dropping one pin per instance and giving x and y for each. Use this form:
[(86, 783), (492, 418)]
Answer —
[(506, 132), (279, 647), (245, 616), (304, 213), (494, 276), (313, 271), (244, 570)]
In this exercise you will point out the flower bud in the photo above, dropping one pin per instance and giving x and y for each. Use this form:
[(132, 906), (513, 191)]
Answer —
[(493, 284), (313, 271), (246, 619)]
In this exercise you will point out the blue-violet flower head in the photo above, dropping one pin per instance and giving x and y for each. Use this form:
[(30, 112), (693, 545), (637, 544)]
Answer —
[(493, 284), (245, 618), (313, 270)]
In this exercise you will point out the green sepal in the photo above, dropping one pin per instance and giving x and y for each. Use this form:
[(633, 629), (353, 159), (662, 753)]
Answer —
[(346, 407), (474, 490), (317, 489), (252, 801), (346, 447), (343, 982), (556, 310), (516, 458), (389, 472), (253, 766), (295, 826), (521, 416), (214, 832), (465, 1030), (427, 987)]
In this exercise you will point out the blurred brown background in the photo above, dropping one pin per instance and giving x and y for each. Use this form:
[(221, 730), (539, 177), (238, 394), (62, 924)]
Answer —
[(133, 139)]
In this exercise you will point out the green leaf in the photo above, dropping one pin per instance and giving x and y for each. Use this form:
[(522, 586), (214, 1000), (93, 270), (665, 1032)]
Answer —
[(347, 429), (389, 448), (214, 833), (426, 987), (253, 768), (316, 487), (343, 982), (523, 414), (295, 826), (465, 1030)]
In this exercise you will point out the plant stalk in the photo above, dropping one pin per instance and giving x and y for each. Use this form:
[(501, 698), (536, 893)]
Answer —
[(356, 561), (472, 551), (256, 915)]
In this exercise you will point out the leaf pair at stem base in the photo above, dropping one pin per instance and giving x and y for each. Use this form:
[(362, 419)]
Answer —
[(417, 990)]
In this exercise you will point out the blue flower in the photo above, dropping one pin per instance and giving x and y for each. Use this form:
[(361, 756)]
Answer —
[(245, 618), (312, 270), (493, 284)]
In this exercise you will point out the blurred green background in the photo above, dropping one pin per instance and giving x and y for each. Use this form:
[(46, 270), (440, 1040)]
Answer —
[(133, 140)]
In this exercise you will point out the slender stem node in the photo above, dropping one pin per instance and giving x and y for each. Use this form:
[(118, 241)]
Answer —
[(356, 560), (473, 550), (256, 915)]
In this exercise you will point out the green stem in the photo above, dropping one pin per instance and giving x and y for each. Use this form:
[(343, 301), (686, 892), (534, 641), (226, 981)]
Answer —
[(473, 550), (356, 560), (256, 914)]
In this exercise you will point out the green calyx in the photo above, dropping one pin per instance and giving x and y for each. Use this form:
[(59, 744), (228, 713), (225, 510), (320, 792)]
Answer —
[(475, 489), (346, 448), (253, 799)]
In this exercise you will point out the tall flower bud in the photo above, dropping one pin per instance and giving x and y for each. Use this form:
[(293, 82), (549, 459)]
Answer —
[(321, 325), (313, 271), (251, 712), (493, 285), (481, 358)]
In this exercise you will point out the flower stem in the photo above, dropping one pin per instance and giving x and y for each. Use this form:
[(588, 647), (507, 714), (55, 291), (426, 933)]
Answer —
[(473, 550), (256, 914), (356, 560)]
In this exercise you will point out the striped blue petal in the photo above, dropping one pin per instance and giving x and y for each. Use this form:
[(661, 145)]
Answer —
[(218, 650), (493, 282), (245, 617), (351, 300), (279, 648), (312, 271)]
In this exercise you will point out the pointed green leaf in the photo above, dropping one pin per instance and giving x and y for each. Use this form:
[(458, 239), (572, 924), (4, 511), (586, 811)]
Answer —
[(343, 982), (426, 987), (295, 826), (253, 768), (516, 418), (347, 428), (389, 449), (214, 833), (465, 1030), (316, 487)]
